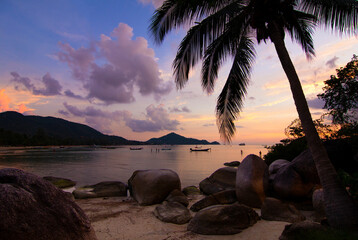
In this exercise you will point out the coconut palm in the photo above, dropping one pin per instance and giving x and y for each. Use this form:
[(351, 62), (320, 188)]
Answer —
[(222, 29)]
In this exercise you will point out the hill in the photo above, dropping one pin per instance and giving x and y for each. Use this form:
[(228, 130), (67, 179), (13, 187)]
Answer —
[(176, 139), (17, 129)]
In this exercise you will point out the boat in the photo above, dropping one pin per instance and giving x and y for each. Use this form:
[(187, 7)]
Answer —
[(242, 144), (199, 149), (163, 149), (136, 148)]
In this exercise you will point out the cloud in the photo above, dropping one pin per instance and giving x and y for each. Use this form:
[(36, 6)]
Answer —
[(127, 64), (5, 102), (51, 86), (96, 118), (332, 62), (179, 110), (156, 3), (157, 119), (208, 125), (316, 103), (70, 94)]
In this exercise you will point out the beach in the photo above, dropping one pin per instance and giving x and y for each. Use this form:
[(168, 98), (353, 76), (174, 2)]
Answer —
[(122, 218)]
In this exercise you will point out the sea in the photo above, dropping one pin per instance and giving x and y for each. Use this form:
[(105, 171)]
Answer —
[(94, 164)]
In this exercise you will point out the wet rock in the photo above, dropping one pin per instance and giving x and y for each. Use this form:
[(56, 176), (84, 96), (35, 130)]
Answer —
[(232, 164), (178, 196), (222, 179), (149, 187), (191, 190), (252, 181), (102, 189), (60, 182), (301, 229), (223, 219), (34, 209), (224, 197), (172, 212), (276, 210)]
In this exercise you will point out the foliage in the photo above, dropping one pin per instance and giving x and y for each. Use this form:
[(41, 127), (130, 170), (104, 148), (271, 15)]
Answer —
[(295, 130), (350, 181), (287, 149), (341, 94), (227, 29)]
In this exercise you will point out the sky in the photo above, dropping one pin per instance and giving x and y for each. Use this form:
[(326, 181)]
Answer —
[(95, 62)]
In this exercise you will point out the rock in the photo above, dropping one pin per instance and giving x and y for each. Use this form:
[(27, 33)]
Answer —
[(232, 164), (222, 179), (223, 220), (178, 196), (60, 182), (34, 209), (304, 165), (276, 165), (102, 189), (288, 184), (275, 210), (224, 197), (191, 190), (149, 187), (252, 181), (318, 203), (172, 212), (301, 230)]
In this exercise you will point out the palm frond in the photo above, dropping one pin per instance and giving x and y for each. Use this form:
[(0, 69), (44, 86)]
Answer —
[(300, 26), (341, 15), (198, 38), (175, 13), (230, 100)]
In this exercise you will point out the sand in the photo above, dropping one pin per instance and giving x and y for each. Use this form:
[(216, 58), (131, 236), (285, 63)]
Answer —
[(123, 219)]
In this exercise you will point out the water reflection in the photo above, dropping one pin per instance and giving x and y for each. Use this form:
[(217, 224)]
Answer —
[(89, 166)]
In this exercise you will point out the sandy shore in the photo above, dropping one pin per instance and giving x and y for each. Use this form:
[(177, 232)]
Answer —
[(124, 219)]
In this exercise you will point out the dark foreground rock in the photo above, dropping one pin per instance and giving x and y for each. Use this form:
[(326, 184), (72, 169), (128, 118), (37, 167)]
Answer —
[(223, 220), (222, 179), (224, 197), (191, 190), (34, 209), (60, 182), (232, 164), (172, 212), (102, 189), (178, 196), (252, 181), (275, 210), (152, 186)]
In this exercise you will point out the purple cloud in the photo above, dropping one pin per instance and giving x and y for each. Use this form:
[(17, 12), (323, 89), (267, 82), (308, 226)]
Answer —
[(316, 103), (70, 94), (332, 62), (156, 3), (157, 120), (176, 109), (51, 86), (129, 64)]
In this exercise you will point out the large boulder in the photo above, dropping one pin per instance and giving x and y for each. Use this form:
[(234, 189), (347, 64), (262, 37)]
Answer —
[(252, 181), (275, 210), (172, 212), (34, 209), (304, 165), (224, 197), (223, 219), (222, 179), (288, 184), (102, 189), (303, 230), (152, 186), (276, 165)]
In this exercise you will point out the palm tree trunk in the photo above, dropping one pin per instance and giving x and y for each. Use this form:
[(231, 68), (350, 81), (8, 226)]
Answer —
[(341, 210)]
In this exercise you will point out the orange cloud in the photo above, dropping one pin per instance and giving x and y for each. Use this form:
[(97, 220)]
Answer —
[(4, 101)]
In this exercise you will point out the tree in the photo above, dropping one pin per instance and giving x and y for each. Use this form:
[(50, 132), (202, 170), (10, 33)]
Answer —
[(341, 94), (226, 28)]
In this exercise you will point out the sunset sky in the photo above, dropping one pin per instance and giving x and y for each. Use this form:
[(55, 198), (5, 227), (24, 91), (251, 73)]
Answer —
[(94, 62)]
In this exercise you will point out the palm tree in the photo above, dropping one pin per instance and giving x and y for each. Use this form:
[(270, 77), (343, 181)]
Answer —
[(227, 28)]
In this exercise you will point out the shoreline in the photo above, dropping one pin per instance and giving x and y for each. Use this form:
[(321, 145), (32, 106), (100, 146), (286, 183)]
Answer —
[(123, 218)]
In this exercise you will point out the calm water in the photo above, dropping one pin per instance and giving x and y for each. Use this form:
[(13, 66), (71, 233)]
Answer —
[(90, 166)]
